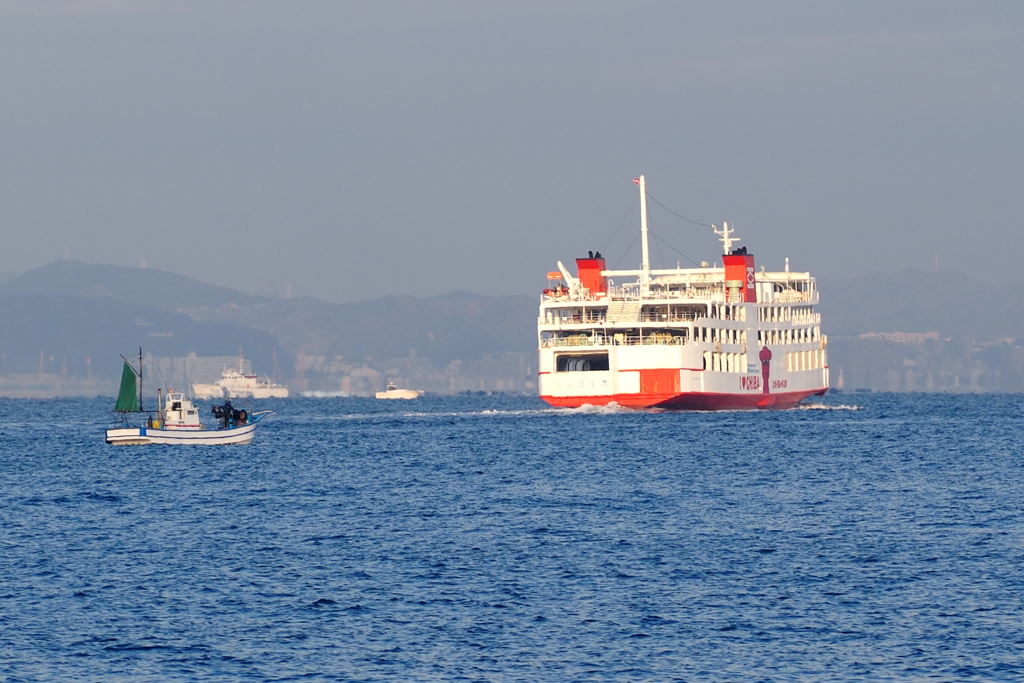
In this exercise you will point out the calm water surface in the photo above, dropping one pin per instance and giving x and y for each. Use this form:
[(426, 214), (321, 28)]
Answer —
[(868, 537)]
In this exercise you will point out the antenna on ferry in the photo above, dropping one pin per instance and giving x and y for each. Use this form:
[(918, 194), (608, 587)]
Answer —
[(645, 263), (726, 239)]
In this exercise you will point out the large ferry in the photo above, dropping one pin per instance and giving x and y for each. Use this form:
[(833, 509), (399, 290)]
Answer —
[(707, 338)]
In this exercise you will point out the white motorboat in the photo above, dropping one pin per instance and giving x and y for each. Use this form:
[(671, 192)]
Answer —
[(176, 421), (392, 391)]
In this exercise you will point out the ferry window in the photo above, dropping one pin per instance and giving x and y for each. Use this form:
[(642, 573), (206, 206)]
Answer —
[(582, 362)]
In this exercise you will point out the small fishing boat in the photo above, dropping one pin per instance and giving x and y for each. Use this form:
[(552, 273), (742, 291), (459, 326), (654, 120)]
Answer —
[(176, 420), (392, 391)]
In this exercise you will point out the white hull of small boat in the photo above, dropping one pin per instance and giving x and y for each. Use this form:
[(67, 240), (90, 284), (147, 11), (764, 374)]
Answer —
[(138, 436), (399, 393)]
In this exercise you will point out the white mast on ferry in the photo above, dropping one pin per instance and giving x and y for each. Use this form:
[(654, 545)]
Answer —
[(645, 263), (726, 240)]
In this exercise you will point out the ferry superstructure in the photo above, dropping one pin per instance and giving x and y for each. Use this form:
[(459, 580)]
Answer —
[(236, 384), (707, 338)]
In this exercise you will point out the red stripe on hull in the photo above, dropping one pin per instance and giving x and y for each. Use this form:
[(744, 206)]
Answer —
[(690, 401)]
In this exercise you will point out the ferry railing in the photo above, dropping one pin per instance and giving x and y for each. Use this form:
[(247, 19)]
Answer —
[(601, 318), (613, 340), (788, 296), (671, 317), (576, 319), (632, 292)]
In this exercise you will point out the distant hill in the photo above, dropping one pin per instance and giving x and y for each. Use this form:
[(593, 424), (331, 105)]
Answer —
[(82, 317), (73, 311), (948, 302), (144, 286), (441, 328)]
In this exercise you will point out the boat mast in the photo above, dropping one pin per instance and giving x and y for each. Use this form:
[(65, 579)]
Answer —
[(726, 237), (140, 379), (645, 263)]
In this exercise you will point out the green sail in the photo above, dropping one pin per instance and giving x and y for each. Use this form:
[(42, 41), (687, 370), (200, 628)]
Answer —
[(128, 397)]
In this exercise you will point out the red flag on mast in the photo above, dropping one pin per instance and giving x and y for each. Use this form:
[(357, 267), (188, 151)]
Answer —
[(636, 180)]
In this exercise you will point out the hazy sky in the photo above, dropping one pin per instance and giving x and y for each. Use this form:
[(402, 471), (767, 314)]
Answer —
[(359, 149)]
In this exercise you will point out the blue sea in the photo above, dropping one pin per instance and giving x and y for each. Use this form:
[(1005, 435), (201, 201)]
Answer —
[(862, 537)]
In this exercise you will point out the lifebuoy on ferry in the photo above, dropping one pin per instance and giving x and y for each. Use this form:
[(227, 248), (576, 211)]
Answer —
[(689, 293)]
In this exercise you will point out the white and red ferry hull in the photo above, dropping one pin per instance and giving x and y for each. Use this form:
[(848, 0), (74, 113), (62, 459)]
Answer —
[(689, 401), (682, 389)]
